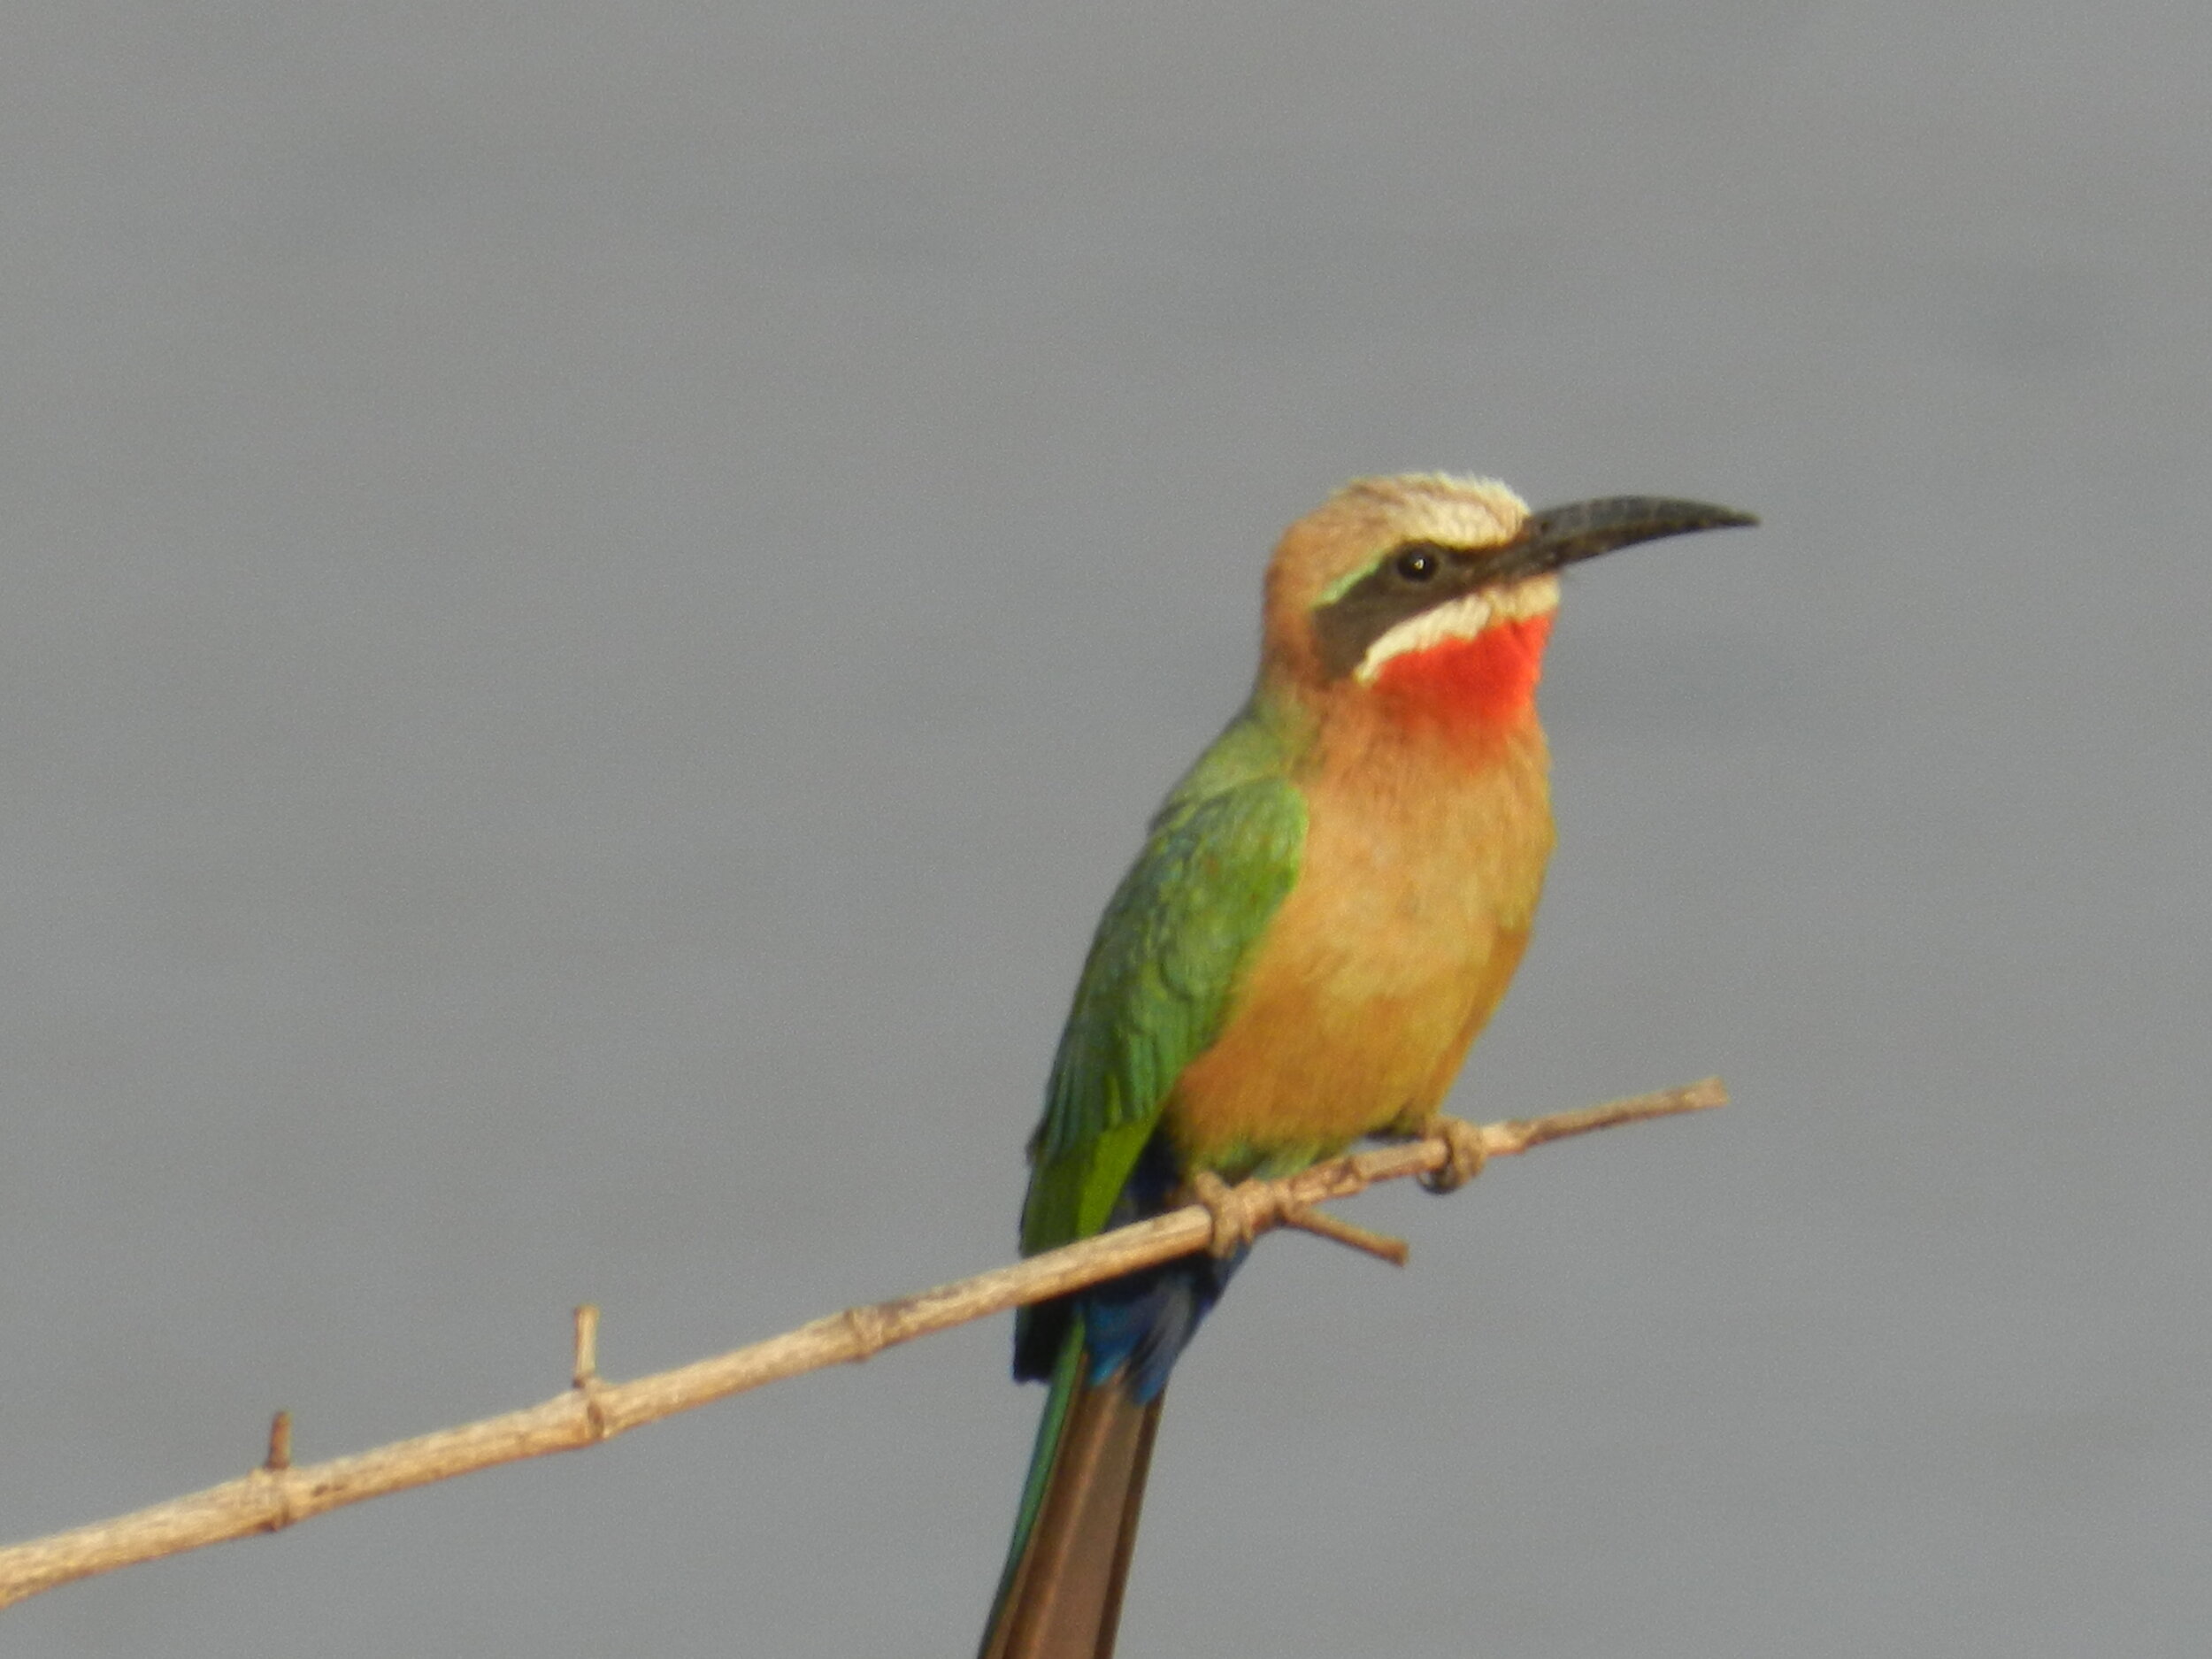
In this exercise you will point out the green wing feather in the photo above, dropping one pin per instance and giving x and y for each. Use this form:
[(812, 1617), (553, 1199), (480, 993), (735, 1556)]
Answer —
[(1222, 853), (1156, 988)]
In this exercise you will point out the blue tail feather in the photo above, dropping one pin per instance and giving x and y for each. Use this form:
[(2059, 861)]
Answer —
[(1142, 1320)]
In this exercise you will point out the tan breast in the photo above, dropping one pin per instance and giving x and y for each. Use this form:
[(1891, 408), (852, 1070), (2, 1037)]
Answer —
[(1419, 882)]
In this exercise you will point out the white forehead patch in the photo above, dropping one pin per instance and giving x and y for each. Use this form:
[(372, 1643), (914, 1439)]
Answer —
[(1455, 512), (1443, 507), (1461, 618)]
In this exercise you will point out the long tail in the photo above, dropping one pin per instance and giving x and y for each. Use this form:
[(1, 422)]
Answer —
[(1060, 1597)]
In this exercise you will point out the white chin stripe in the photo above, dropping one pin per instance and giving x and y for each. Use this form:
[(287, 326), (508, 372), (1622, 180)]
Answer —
[(1461, 618)]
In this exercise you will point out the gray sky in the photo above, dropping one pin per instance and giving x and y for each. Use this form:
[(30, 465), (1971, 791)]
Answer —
[(598, 596)]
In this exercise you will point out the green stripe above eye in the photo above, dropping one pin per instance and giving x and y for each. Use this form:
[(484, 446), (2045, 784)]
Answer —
[(1351, 579)]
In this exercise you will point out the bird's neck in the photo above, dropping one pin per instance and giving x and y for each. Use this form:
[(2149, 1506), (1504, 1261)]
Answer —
[(1472, 696)]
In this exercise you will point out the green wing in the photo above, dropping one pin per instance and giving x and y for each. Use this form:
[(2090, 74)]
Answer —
[(1155, 990)]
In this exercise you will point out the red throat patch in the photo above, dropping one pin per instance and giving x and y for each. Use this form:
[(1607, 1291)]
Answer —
[(1471, 687)]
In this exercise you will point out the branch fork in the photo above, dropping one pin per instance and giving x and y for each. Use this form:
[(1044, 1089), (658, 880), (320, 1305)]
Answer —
[(1239, 1214)]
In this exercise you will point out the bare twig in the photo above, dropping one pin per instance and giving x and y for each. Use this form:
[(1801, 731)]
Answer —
[(585, 1372), (278, 1492), (1308, 1219), (280, 1442)]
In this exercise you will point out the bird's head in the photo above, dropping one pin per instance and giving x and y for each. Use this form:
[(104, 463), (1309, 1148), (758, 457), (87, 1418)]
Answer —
[(1428, 597)]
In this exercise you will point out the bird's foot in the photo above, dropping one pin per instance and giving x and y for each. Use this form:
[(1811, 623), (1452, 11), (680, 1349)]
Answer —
[(1240, 1214), (1233, 1228), (1464, 1153)]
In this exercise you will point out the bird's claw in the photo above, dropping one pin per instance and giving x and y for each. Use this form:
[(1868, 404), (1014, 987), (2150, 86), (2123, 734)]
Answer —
[(1232, 1223), (1465, 1153)]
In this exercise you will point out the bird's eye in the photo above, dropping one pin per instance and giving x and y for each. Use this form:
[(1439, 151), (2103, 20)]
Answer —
[(1416, 565)]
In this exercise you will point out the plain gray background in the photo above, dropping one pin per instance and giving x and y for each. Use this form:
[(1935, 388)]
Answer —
[(596, 596)]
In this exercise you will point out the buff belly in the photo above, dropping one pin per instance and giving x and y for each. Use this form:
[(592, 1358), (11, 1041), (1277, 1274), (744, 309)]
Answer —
[(1388, 959)]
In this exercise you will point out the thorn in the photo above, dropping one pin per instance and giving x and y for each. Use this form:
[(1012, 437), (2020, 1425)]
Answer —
[(587, 1367), (280, 1443), (1322, 1224), (585, 1379)]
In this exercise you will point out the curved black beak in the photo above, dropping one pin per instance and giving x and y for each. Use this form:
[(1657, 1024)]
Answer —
[(1560, 536)]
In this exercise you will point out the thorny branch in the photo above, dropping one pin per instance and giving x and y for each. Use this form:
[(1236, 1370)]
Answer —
[(279, 1493)]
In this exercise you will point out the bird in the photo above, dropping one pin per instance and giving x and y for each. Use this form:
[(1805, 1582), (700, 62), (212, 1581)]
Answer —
[(1326, 911)]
